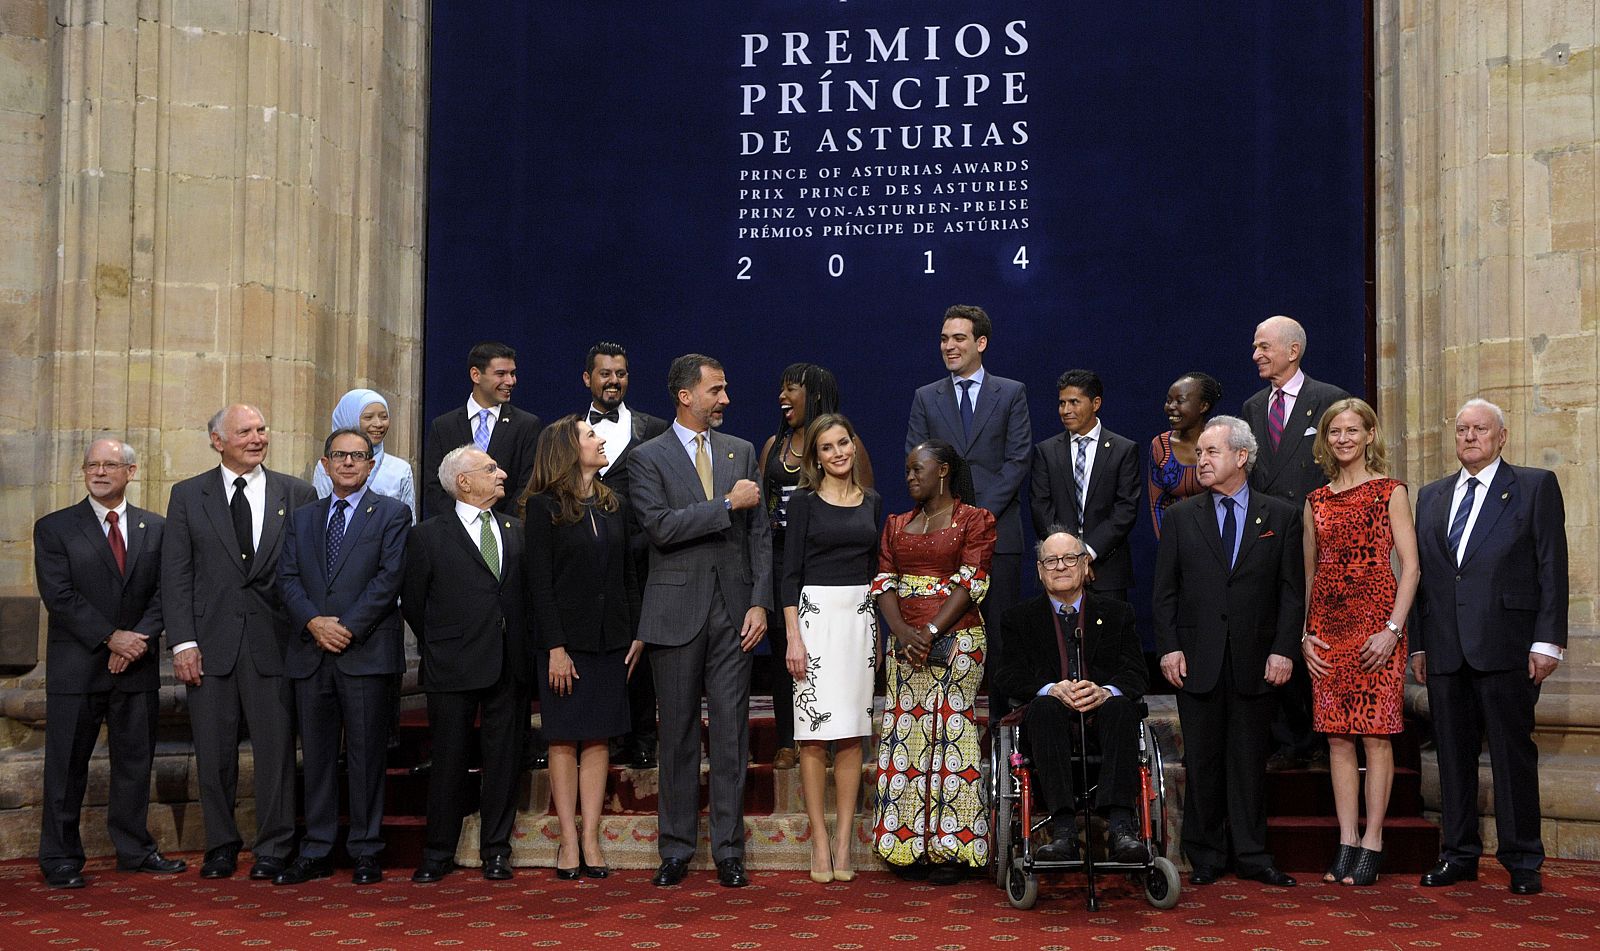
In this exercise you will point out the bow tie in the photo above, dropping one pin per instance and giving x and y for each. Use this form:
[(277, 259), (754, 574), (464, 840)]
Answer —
[(596, 416)]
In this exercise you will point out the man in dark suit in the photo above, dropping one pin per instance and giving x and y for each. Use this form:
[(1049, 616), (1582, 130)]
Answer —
[(339, 576), (1490, 626), (1088, 481), (98, 565), (624, 429), (705, 609), (1229, 611), (490, 423), (986, 418), (229, 630), (463, 597), (1284, 417), (1042, 671)]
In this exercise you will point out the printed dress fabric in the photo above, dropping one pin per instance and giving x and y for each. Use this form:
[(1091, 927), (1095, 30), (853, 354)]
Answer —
[(1352, 595), (927, 803), (1170, 480)]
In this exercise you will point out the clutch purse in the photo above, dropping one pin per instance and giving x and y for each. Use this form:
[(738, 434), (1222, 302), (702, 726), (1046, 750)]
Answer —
[(941, 649)]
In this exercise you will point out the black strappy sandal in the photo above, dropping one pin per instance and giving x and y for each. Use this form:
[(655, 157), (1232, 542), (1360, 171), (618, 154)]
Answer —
[(1343, 861), (1366, 868)]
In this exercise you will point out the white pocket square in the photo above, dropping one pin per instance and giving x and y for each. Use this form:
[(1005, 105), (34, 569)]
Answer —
[(1310, 431)]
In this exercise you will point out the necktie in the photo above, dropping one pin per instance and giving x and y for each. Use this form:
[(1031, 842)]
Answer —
[(336, 533), (487, 544), (119, 550), (1230, 528), (1080, 474), (1458, 525), (243, 531), (1275, 418), (596, 416), (966, 408), (702, 462), (1066, 625), (481, 437)]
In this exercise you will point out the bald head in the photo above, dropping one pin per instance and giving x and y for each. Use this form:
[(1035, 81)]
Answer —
[(1280, 345), (239, 433)]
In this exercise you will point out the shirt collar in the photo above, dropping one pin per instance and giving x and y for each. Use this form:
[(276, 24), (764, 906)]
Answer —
[(1056, 606), (353, 498), (100, 510), (1485, 475), (1241, 497), (1093, 434), (468, 514), (685, 434), (976, 377), (1292, 387), (473, 409), (250, 478)]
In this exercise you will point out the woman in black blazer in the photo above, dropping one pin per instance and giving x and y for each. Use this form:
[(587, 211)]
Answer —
[(584, 608)]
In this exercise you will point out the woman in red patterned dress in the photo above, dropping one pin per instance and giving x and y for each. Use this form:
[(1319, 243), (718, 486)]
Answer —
[(1357, 527)]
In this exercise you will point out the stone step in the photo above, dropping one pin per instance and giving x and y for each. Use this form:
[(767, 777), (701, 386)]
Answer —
[(1306, 844)]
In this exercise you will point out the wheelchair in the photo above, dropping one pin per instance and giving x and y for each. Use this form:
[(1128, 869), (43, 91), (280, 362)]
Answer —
[(1013, 819)]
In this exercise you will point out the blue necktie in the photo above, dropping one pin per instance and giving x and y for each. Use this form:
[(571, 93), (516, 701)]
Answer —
[(336, 533), (966, 408), (1458, 525), (1080, 474), (1230, 528), (481, 437)]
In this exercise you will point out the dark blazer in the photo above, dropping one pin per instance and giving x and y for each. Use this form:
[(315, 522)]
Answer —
[(583, 591), (645, 428), (88, 598), (1115, 486), (1111, 647), (1204, 609), (998, 452), (207, 595), (698, 547), (1510, 590), (361, 592), (511, 445), (469, 624), (1290, 472)]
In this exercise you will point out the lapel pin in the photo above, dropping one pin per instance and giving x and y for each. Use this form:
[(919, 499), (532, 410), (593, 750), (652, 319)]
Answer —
[(1107, 444), (1504, 496), (505, 524), (1308, 414), (1258, 520), (730, 455), (1098, 621), (369, 510), (141, 525), (280, 512)]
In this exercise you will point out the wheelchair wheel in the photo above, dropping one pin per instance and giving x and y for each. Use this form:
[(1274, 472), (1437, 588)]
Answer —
[(1002, 806), (1022, 889), (1161, 885)]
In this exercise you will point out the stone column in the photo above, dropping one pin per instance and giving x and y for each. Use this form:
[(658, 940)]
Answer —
[(203, 202), (1488, 285)]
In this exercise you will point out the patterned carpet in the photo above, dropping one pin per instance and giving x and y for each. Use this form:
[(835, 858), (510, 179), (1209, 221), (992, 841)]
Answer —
[(781, 910)]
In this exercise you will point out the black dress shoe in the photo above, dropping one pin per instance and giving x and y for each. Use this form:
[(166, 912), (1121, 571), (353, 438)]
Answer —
[(731, 874), (267, 868), (537, 760), (642, 758), (63, 876), (432, 870), (946, 873), (1204, 874), (303, 870), (1059, 849), (670, 872), (1448, 873), (915, 872), (220, 862), (157, 863), (1127, 847), (368, 871), (497, 868), (1526, 881), (1269, 875)]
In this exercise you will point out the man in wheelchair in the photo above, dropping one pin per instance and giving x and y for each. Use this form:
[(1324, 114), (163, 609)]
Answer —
[(1041, 662)]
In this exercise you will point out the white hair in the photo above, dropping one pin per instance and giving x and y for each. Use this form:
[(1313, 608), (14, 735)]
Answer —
[(129, 457), (214, 427), (453, 465), (1289, 331), (1239, 437), (1477, 403)]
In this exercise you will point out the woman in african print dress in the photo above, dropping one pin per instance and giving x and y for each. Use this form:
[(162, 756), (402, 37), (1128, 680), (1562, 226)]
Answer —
[(933, 564)]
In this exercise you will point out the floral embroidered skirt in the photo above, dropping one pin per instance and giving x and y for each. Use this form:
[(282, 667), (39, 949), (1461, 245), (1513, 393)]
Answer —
[(839, 624), (928, 802)]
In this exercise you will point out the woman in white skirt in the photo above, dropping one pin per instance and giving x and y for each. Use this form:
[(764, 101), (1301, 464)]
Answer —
[(830, 557)]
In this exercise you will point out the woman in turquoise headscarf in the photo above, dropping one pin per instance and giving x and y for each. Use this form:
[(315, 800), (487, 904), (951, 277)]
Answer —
[(368, 411)]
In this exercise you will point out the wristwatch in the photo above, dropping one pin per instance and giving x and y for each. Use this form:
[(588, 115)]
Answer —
[(933, 630), (1393, 627)]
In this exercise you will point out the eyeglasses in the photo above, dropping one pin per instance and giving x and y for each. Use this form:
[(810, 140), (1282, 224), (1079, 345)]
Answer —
[(1055, 562), (358, 455), (104, 466)]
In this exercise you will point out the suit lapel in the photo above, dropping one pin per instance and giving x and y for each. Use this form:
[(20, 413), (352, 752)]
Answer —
[(360, 520), (1255, 523), (133, 536), (90, 527), (944, 403), (215, 501), (271, 519), (510, 551), (1097, 471), (1502, 496), (721, 464), (988, 399), (466, 540), (503, 434), (679, 462)]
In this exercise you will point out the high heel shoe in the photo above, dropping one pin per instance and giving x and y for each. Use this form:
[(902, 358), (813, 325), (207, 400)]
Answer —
[(591, 871), (1343, 861), (842, 872), (567, 874), (1366, 868)]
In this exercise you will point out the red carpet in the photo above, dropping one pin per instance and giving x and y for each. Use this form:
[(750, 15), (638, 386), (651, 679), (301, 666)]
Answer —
[(780, 910)]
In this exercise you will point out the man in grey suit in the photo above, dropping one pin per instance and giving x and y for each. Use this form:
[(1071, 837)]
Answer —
[(705, 609), (986, 418), (340, 576), (228, 630)]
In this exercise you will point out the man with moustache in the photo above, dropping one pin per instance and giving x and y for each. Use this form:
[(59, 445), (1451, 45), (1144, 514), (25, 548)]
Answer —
[(98, 566), (1490, 624), (1088, 481), (488, 422), (1229, 608), (339, 576), (705, 609), (463, 597), (986, 418), (624, 429), (229, 631)]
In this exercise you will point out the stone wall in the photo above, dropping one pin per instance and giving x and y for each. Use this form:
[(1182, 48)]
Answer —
[(1489, 285)]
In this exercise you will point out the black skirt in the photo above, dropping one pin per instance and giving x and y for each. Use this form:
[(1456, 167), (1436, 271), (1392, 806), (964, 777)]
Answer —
[(597, 708)]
